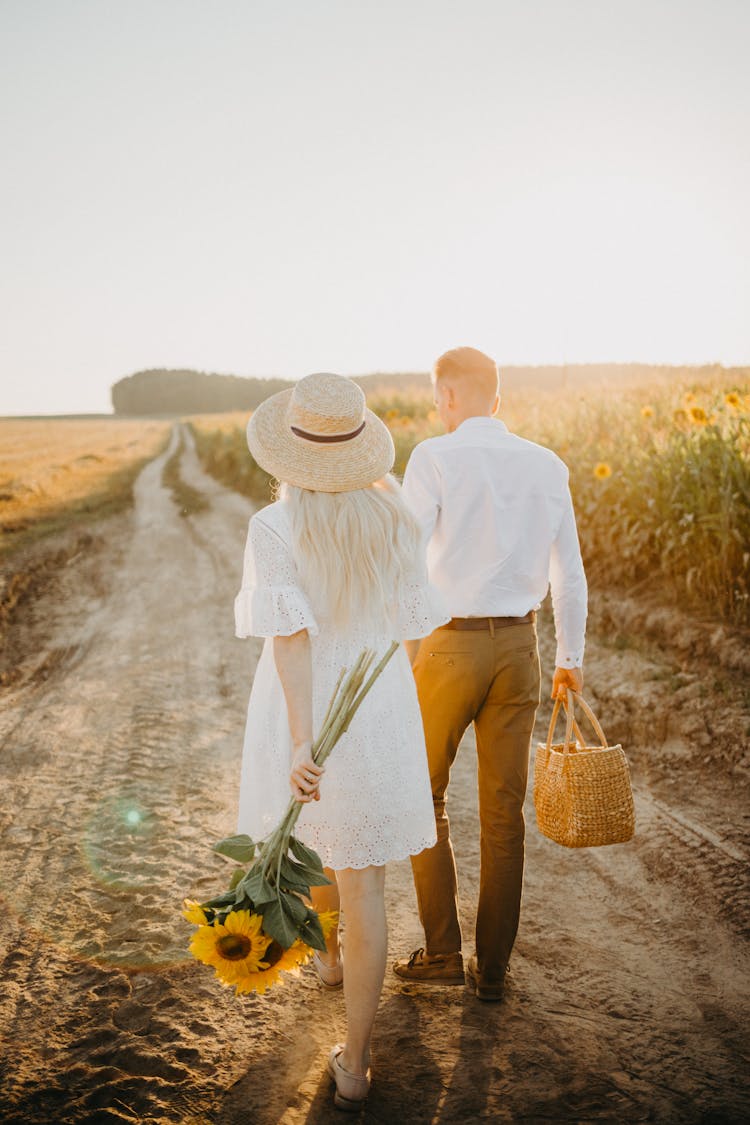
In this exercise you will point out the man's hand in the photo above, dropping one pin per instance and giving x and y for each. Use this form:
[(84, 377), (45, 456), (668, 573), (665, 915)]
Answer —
[(304, 777), (565, 678)]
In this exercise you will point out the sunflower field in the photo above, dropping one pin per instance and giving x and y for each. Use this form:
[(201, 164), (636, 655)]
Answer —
[(660, 477)]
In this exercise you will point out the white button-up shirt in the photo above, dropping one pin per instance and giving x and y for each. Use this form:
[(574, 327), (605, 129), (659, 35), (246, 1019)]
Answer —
[(498, 519)]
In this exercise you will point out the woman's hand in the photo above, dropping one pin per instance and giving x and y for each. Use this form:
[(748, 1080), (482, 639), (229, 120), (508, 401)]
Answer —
[(304, 777)]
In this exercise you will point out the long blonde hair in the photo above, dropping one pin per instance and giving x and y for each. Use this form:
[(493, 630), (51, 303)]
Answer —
[(355, 551)]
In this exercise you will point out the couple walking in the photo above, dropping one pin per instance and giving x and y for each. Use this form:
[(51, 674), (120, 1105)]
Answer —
[(454, 563)]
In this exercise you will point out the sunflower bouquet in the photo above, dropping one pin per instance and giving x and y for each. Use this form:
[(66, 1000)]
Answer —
[(262, 924)]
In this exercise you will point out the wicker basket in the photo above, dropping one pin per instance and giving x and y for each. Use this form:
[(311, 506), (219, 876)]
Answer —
[(582, 794)]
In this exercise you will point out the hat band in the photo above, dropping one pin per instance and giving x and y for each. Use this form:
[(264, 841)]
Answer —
[(328, 437)]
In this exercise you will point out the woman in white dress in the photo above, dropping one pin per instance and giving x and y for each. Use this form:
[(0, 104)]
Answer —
[(334, 566)]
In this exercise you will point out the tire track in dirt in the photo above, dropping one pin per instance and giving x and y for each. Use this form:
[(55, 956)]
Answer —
[(121, 768)]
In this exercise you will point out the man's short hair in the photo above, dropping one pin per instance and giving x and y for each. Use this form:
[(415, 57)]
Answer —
[(470, 368)]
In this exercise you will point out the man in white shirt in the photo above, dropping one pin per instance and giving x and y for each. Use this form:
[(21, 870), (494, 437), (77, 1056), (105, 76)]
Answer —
[(498, 518)]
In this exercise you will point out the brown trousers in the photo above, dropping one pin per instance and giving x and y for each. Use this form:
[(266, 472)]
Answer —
[(491, 678)]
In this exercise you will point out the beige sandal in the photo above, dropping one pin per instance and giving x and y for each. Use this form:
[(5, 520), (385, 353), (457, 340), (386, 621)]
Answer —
[(330, 976), (351, 1089)]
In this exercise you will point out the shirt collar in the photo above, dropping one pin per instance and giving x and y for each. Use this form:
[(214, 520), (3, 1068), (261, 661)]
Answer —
[(481, 422)]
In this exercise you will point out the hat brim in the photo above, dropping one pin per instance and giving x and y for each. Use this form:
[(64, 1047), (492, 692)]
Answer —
[(318, 466)]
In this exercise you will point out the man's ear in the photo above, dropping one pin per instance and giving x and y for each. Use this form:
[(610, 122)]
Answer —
[(451, 396), (496, 406)]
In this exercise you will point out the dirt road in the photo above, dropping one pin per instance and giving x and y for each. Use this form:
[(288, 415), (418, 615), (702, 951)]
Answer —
[(120, 739)]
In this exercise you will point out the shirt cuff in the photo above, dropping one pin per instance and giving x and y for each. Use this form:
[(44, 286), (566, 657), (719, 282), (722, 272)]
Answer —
[(569, 658)]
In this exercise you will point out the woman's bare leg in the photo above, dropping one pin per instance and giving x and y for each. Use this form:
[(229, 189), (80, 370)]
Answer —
[(327, 898), (363, 902)]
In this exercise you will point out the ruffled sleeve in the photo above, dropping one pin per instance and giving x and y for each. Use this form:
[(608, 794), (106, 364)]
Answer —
[(271, 602), (420, 609)]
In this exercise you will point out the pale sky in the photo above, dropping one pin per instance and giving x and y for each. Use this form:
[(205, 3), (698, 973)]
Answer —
[(286, 186)]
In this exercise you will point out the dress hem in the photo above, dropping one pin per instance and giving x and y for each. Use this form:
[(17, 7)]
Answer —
[(375, 861)]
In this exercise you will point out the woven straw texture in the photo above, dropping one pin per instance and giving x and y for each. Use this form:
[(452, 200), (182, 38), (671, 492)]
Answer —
[(582, 794), (322, 406)]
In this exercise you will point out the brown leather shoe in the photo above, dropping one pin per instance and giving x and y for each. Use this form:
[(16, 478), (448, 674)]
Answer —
[(431, 968), (483, 990)]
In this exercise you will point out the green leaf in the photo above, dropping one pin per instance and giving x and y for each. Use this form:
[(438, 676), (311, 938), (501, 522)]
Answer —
[(225, 899), (240, 848), (242, 902), (278, 925), (306, 855), (309, 865), (293, 877), (312, 931), (294, 907), (314, 878), (256, 887), (237, 876)]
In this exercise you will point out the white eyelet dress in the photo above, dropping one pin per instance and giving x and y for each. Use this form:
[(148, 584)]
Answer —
[(375, 797)]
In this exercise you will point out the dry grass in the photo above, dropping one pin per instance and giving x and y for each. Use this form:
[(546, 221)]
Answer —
[(222, 448), (55, 470)]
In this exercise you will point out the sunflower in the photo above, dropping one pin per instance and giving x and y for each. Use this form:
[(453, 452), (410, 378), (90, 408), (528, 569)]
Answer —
[(732, 399), (234, 948), (268, 974), (698, 416), (602, 471), (194, 912), (278, 960), (647, 411)]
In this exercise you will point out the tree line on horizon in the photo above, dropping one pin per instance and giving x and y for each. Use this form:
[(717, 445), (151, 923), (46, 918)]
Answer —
[(166, 391), (186, 391)]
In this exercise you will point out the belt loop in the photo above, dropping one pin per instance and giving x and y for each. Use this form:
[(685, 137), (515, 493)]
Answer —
[(492, 626)]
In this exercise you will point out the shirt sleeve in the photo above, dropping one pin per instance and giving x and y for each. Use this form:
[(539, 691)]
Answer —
[(569, 590), (421, 490), (271, 602)]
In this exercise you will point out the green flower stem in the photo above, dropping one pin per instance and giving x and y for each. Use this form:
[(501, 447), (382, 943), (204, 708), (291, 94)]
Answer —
[(344, 704), (333, 698), (373, 677)]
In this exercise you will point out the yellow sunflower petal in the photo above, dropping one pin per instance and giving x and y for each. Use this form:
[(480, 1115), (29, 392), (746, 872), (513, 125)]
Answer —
[(194, 912), (228, 972), (243, 922), (329, 920), (203, 944), (259, 982), (293, 958)]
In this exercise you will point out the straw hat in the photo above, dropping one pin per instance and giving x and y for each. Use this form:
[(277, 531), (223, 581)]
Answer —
[(320, 435)]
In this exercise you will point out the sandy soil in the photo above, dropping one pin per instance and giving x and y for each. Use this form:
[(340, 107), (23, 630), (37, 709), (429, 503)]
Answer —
[(121, 731)]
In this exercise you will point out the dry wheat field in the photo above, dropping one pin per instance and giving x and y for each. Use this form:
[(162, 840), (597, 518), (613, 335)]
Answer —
[(122, 703), (53, 468)]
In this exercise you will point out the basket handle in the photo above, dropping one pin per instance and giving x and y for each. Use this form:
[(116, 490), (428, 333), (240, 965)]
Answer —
[(569, 704), (570, 725)]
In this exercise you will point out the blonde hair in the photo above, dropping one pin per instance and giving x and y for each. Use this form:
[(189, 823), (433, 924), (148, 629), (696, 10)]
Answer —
[(468, 369), (355, 551)]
